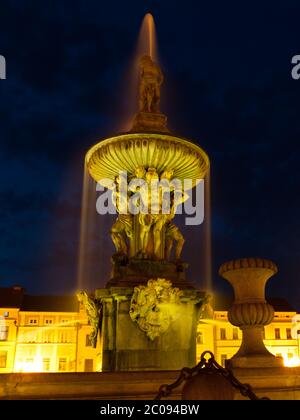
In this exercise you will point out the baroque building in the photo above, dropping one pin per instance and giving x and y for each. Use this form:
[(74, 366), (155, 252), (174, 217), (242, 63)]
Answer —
[(51, 334), (44, 334), (281, 337)]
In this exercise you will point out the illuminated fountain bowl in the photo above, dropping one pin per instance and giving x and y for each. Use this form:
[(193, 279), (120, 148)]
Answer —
[(160, 151)]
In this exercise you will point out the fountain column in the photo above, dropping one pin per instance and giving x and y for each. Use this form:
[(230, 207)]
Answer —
[(250, 311)]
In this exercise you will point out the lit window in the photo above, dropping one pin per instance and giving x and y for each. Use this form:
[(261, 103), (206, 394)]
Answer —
[(200, 337), (223, 359), (3, 333), (65, 337), (235, 334), (46, 364), (48, 337), (288, 334), (277, 333), (6, 314), (3, 359), (223, 333), (88, 365), (62, 364), (88, 342)]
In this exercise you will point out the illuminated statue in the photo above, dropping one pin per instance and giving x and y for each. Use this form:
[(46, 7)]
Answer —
[(93, 310), (160, 219), (172, 232), (147, 219), (122, 228), (151, 78)]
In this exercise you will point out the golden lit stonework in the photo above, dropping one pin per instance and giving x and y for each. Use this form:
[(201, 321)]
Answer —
[(152, 306), (127, 152), (148, 153)]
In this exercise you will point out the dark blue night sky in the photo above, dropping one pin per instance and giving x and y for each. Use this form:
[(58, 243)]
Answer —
[(228, 86)]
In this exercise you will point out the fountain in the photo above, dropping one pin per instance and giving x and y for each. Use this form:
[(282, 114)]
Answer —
[(149, 309), (147, 314)]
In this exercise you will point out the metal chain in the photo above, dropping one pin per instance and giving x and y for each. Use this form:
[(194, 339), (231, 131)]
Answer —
[(212, 367)]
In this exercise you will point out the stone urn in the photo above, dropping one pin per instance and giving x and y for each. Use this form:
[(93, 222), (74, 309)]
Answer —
[(250, 311)]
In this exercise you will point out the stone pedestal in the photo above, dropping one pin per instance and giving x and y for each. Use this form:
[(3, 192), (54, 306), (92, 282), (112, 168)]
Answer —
[(127, 347), (133, 271), (150, 122), (250, 311)]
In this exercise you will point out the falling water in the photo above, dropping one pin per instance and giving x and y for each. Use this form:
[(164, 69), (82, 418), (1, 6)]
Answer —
[(146, 45), (88, 216), (94, 247), (207, 249)]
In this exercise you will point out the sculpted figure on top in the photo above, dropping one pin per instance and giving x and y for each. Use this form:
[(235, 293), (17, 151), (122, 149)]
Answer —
[(151, 78)]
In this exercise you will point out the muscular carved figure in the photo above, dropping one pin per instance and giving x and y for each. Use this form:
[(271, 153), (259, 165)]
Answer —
[(172, 233), (151, 78), (161, 219), (123, 226), (146, 220)]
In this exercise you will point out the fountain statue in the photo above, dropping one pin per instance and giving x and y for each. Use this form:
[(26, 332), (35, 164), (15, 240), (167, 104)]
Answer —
[(148, 303)]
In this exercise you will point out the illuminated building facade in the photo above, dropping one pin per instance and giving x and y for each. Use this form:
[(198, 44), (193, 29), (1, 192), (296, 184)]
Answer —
[(224, 340), (44, 334), (51, 334)]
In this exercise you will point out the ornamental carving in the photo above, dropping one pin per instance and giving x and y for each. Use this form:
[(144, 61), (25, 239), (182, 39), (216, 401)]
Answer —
[(93, 309), (152, 306)]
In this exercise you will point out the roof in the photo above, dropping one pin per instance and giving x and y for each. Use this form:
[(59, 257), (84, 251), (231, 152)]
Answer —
[(11, 297), (221, 303), (15, 297), (50, 304)]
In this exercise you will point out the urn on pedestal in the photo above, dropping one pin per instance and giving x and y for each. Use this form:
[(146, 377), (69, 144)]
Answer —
[(250, 311)]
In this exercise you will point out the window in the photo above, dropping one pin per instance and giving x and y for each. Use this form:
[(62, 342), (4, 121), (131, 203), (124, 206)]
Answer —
[(3, 333), (289, 334), (223, 359), (62, 364), (200, 337), (48, 337), (6, 314), (277, 333), (3, 359), (65, 337), (89, 365), (290, 355), (235, 334), (30, 336), (33, 321), (48, 321), (88, 342), (223, 333), (46, 364)]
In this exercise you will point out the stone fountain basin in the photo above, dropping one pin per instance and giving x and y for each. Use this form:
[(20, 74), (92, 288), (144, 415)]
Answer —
[(126, 152)]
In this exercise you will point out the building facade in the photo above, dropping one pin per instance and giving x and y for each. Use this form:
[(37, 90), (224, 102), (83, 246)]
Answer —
[(281, 337), (51, 334), (44, 334)]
